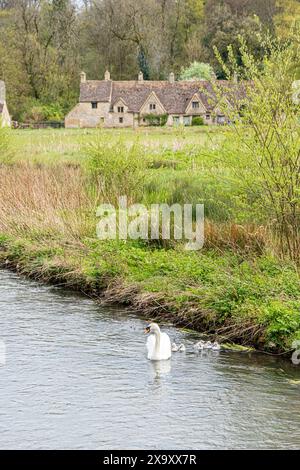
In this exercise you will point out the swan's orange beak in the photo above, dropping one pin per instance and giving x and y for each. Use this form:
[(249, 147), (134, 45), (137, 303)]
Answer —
[(147, 330)]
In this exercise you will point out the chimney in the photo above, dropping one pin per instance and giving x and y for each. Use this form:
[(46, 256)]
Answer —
[(107, 75), (141, 77), (83, 77), (171, 77), (2, 92)]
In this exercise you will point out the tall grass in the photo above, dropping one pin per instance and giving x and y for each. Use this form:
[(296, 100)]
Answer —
[(42, 201), (60, 200), (5, 148)]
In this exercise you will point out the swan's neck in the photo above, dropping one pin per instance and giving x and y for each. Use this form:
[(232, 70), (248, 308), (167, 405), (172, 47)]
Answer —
[(157, 341)]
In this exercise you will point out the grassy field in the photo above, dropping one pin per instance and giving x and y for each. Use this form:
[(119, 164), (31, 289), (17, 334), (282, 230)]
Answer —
[(65, 145), (237, 288)]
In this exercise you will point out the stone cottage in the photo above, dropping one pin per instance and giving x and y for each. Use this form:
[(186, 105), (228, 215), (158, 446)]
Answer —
[(113, 103), (5, 119)]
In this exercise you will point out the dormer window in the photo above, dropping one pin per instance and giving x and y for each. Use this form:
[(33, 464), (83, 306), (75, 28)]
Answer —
[(94, 105), (120, 109), (152, 106), (195, 104)]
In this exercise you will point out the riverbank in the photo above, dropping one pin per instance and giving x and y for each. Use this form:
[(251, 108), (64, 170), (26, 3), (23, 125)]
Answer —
[(249, 301), (237, 288)]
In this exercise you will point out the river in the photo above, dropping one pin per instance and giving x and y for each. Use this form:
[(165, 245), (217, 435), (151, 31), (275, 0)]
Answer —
[(75, 376)]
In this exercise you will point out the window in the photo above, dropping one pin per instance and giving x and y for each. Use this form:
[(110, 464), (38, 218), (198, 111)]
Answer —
[(94, 104), (152, 106), (121, 120), (120, 109), (207, 116), (195, 104), (175, 120)]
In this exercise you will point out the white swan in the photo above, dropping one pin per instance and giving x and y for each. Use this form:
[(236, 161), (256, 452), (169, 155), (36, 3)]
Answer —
[(207, 345), (180, 348), (216, 346), (199, 346), (158, 344)]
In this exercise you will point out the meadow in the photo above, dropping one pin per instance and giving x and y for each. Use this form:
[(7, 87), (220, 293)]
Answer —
[(237, 288)]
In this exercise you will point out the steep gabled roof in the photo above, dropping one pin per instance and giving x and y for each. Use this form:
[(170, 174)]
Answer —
[(134, 93), (174, 97), (154, 97), (117, 100)]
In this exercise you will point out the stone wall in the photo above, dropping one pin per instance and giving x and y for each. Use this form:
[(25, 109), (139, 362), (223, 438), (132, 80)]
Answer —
[(2, 92), (83, 115), (4, 114), (113, 120), (5, 117)]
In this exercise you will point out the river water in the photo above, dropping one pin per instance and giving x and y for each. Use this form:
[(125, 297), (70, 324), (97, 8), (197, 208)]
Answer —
[(75, 376)]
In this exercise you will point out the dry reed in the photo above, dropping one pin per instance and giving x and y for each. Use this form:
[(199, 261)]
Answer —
[(44, 200)]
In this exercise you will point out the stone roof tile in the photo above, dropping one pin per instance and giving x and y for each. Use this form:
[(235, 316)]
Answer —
[(95, 90), (174, 97)]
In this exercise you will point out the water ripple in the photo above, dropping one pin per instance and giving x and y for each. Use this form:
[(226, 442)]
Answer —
[(76, 377)]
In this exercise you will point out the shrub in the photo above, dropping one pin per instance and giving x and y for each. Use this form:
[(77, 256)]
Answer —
[(197, 71), (116, 170), (283, 322), (197, 121), (37, 111), (265, 136)]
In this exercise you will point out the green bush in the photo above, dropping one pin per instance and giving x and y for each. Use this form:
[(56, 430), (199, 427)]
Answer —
[(197, 121), (116, 169), (197, 71), (283, 322), (37, 111)]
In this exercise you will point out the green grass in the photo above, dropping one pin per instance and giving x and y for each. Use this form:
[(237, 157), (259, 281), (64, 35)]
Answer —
[(57, 145), (179, 163)]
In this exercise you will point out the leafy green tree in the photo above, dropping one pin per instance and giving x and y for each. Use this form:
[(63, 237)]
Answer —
[(197, 71), (223, 27), (264, 148), (40, 58)]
